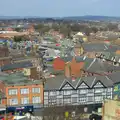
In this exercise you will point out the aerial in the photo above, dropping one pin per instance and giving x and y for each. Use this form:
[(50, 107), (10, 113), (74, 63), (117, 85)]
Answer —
[(59, 60)]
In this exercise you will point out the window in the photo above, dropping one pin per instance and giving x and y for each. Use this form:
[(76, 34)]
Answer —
[(13, 91), (90, 98), (46, 93), (13, 101), (24, 91), (67, 92), (98, 90), (60, 92), (82, 99), (36, 99), (109, 89), (74, 100), (52, 93), (35, 90), (74, 91), (83, 91), (67, 100), (98, 98), (25, 100), (52, 101), (59, 101), (91, 91)]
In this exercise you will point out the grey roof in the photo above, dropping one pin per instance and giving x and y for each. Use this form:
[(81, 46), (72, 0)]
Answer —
[(54, 83), (98, 66), (115, 76), (77, 58), (100, 47), (58, 82), (16, 65), (66, 59)]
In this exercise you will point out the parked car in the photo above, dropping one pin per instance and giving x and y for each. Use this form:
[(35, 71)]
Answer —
[(95, 117)]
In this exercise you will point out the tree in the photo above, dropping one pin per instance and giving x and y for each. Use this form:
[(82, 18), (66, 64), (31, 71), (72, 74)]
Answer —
[(18, 29), (87, 31), (45, 29), (94, 29), (65, 30), (19, 38), (55, 27), (39, 27), (112, 27)]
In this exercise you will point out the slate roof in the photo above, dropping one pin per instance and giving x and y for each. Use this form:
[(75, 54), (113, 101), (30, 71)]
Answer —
[(99, 47), (57, 82), (16, 65), (98, 66), (54, 83), (115, 76)]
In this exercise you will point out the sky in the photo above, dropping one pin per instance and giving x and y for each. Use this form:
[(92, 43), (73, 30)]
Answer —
[(59, 8)]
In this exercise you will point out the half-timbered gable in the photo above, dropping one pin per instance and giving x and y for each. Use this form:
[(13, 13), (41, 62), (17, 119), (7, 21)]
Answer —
[(83, 85), (98, 85)]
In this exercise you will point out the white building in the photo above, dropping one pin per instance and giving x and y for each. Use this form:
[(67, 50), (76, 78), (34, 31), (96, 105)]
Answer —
[(60, 91)]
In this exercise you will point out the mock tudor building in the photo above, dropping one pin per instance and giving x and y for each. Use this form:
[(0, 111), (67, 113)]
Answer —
[(60, 91)]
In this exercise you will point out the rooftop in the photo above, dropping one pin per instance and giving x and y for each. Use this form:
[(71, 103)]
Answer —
[(17, 79)]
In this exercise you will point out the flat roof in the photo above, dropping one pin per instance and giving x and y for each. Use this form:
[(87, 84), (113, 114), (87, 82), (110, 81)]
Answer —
[(17, 79)]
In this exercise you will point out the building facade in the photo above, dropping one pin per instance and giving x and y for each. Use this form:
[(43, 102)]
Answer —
[(80, 94), (24, 94)]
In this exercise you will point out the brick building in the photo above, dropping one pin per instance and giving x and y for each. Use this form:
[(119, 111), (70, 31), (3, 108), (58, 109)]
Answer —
[(71, 68), (21, 91)]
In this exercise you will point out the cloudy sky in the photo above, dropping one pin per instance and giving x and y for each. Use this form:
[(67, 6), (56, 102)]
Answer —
[(59, 8)]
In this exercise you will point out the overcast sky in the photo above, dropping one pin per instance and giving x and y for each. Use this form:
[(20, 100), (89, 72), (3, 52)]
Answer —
[(59, 8)]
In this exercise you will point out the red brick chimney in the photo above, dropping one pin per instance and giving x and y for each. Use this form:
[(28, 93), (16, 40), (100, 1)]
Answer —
[(67, 70)]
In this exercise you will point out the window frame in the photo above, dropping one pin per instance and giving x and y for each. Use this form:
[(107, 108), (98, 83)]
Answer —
[(23, 89), (34, 90), (35, 98), (23, 99), (11, 90)]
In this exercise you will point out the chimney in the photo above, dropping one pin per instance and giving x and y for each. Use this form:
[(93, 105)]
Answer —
[(73, 79), (67, 71)]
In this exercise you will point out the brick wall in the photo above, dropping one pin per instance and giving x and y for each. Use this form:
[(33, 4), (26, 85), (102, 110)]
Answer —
[(30, 95), (73, 68)]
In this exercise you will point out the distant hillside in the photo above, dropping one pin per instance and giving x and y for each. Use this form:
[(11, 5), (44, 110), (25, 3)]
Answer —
[(99, 18), (89, 17)]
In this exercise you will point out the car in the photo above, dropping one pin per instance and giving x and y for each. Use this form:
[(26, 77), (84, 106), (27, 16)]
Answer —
[(95, 117)]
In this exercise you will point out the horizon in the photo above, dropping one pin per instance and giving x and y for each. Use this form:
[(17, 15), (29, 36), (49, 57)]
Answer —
[(59, 8), (61, 17)]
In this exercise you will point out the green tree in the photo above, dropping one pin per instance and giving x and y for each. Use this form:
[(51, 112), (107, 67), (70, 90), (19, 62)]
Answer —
[(19, 38), (66, 30), (55, 27), (94, 29), (18, 29)]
